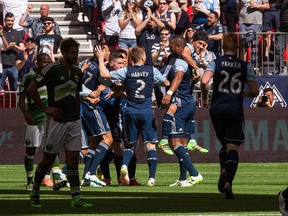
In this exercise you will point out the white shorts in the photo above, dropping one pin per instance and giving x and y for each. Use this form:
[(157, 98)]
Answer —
[(33, 135), (61, 136)]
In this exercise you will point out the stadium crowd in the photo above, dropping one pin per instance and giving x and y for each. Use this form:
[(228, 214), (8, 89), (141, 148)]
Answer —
[(172, 43)]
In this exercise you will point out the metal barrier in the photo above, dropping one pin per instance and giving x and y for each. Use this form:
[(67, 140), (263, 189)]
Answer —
[(9, 99), (265, 61)]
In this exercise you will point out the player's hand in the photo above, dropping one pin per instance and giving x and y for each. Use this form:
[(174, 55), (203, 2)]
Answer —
[(85, 65), (166, 99), (53, 111), (29, 8), (99, 52)]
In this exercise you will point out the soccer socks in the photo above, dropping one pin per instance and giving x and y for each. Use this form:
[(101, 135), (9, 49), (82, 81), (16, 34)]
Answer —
[(132, 167), (118, 163), (104, 164), (183, 170), (222, 158), (152, 162), (183, 157), (28, 163), (231, 165), (87, 160), (127, 155), (39, 176), (100, 152), (73, 179)]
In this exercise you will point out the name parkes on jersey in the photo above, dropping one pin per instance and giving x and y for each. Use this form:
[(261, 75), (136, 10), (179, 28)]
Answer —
[(140, 74), (231, 64)]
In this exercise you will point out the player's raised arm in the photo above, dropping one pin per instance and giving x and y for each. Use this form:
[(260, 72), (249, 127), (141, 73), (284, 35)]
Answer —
[(104, 72)]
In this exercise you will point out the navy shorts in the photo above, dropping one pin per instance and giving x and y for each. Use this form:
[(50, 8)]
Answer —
[(94, 121), (271, 20), (141, 123), (182, 116), (228, 129)]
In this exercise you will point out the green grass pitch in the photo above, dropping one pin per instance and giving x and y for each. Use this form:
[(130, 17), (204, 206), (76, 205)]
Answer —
[(255, 187)]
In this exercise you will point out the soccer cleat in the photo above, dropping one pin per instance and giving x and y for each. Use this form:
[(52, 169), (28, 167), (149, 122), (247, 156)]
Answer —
[(124, 177), (134, 182), (59, 184), (47, 182), (93, 178), (86, 183), (29, 187), (151, 182), (283, 204), (221, 181), (163, 144), (192, 180), (99, 174), (78, 202), (182, 183), (35, 199), (228, 191), (193, 146)]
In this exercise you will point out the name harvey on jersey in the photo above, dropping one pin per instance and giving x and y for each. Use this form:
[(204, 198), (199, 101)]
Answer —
[(140, 74), (231, 64)]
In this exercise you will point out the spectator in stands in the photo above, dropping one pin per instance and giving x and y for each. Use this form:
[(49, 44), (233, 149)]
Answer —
[(160, 51), (3, 45), (250, 24), (201, 9), (166, 16), (88, 10), (190, 33), (215, 32), (36, 25), (282, 6), (15, 41), (200, 54), (17, 8), (49, 42), (271, 21), (182, 18), (129, 18), (231, 16), (111, 9), (25, 59), (147, 33)]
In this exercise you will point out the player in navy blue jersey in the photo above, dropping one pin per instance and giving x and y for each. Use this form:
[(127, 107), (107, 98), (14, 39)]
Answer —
[(174, 125), (139, 82), (94, 121), (229, 74)]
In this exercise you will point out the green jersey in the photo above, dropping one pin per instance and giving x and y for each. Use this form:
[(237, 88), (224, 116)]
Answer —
[(33, 109), (63, 87)]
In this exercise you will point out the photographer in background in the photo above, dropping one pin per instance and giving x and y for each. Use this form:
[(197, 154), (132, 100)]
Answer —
[(267, 99)]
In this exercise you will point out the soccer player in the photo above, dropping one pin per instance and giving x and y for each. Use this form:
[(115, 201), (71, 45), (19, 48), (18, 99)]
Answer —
[(173, 126), (139, 82), (63, 80), (34, 118), (229, 74)]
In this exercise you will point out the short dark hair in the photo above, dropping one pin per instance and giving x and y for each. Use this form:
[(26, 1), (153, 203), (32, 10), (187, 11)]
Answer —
[(201, 35), (215, 14), (67, 43), (41, 56), (9, 14), (115, 55), (267, 90)]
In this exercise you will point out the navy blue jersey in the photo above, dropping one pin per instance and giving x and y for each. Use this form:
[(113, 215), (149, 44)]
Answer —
[(91, 75), (183, 93), (230, 75), (139, 85)]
